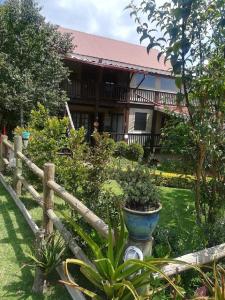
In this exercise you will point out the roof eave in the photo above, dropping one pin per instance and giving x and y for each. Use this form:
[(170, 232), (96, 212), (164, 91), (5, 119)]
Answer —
[(106, 63)]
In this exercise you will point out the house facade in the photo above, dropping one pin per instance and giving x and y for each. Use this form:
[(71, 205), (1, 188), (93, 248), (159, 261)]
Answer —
[(117, 87)]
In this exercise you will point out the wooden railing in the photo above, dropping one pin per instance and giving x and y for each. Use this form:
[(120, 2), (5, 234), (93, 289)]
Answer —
[(51, 220), (79, 89), (147, 140)]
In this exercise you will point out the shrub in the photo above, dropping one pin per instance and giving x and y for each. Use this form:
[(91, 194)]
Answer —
[(181, 165), (140, 193), (183, 182), (121, 149), (135, 152)]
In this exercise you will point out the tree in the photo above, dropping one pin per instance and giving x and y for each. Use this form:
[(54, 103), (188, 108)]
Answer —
[(191, 34), (31, 66)]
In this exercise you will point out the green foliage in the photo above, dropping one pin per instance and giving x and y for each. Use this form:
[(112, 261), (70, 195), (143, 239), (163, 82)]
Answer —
[(111, 277), (49, 138), (140, 193), (183, 182), (121, 149), (109, 202), (191, 35), (135, 152), (176, 164), (176, 138), (31, 66), (48, 254), (98, 159)]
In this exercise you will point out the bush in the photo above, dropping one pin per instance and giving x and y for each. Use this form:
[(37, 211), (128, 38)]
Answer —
[(135, 152), (182, 165), (182, 182), (140, 192), (121, 149)]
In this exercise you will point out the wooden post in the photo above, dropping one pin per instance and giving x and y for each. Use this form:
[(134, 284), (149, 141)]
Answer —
[(39, 284), (3, 152), (18, 146), (48, 197)]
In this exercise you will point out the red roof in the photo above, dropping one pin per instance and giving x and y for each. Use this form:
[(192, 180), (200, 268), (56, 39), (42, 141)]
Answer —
[(174, 109), (105, 51)]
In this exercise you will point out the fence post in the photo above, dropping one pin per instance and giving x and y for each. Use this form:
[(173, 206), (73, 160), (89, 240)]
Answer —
[(48, 196), (3, 152), (18, 147)]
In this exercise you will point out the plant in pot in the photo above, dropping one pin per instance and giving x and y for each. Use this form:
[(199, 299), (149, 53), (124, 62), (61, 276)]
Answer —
[(141, 202)]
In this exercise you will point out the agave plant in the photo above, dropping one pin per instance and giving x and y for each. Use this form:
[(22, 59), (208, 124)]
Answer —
[(113, 277), (50, 254)]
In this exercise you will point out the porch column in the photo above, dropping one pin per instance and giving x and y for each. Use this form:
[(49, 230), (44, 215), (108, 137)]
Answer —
[(126, 113), (154, 120), (97, 98)]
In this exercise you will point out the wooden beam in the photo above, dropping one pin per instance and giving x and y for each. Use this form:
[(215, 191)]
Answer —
[(85, 212), (201, 257), (39, 172), (20, 205), (48, 196), (5, 161), (36, 196), (68, 237), (74, 293), (3, 152), (18, 146), (8, 144)]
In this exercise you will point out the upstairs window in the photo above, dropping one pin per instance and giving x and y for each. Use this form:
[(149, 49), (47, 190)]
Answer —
[(167, 84), (140, 121), (147, 84)]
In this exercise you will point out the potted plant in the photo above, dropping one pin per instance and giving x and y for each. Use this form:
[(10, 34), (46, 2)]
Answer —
[(141, 202)]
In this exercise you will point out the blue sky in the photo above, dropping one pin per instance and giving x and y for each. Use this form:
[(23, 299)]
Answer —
[(102, 17)]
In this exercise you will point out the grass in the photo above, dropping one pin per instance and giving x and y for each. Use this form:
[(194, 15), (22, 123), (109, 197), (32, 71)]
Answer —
[(178, 208), (16, 240), (16, 282)]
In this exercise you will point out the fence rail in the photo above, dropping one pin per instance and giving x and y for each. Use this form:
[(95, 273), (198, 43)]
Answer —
[(50, 218)]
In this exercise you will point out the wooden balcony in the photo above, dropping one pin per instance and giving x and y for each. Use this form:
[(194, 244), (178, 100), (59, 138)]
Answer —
[(84, 90)]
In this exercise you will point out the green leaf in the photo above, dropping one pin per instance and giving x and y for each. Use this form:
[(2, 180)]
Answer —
[(96, 250), (178, 82)]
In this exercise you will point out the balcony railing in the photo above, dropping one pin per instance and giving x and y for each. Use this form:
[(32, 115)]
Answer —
[(147, 140), (86, 90)]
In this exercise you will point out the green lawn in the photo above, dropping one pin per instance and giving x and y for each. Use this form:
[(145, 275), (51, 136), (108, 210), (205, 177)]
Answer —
[(16, 239), (178, 208)]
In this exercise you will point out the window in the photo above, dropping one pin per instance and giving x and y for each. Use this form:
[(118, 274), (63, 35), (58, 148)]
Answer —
[(147, 84), (81, 120), (140, 121), (168, 84)]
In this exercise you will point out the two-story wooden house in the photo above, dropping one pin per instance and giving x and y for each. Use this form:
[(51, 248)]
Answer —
[(118, 88)]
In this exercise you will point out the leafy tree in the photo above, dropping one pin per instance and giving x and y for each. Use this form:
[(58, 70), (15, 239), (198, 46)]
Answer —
[(191, 35), (31, 66)]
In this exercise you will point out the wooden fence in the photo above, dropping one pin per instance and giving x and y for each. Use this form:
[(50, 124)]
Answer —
[(51, 220)]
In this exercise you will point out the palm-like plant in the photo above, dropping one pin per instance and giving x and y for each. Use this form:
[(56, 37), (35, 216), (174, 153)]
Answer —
[(50, 254), (113, 277)]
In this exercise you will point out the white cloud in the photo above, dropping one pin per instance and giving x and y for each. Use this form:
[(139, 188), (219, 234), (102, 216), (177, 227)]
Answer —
[(101, 17)]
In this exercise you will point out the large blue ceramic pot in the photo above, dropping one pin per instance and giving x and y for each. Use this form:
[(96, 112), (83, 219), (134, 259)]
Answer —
[(141, 224)]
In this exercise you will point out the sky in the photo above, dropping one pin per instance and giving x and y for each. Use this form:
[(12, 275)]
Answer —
[(102, 17)]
